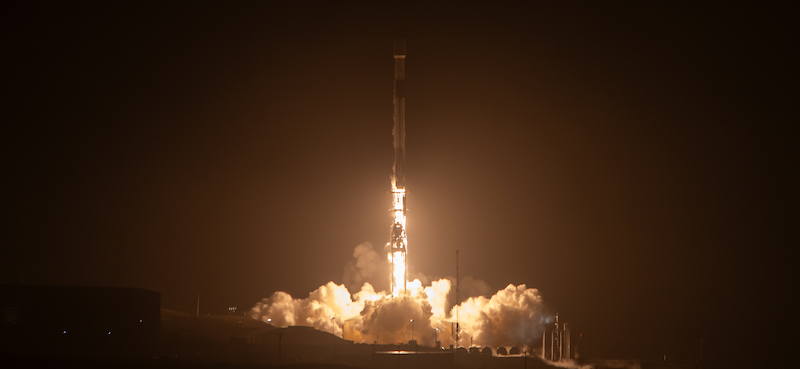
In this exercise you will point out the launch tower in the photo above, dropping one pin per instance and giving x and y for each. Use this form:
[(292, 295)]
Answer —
[(556, 343), (398, 241)]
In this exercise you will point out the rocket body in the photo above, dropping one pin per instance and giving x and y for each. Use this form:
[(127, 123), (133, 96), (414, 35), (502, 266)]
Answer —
[(398, 241), (399, 114)]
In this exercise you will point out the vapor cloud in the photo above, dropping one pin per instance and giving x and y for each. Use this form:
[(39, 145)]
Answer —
[(510, 317), (367, 266)]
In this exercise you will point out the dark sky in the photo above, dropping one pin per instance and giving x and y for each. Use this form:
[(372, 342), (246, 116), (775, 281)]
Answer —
[(633, 162)]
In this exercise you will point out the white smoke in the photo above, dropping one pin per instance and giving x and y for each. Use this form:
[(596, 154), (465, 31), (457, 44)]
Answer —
[(511, 317), (324, 309), (571, 364), (367, 266)]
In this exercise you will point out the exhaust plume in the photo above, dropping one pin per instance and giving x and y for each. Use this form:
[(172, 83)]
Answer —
[(511, 317)]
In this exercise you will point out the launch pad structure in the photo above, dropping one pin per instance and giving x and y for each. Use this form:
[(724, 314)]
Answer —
[(556, 342), (398, 240)]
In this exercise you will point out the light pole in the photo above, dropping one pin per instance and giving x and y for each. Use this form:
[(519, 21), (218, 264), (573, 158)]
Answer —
[(412, 329), (333, 335), (526, 359), (435, 336)]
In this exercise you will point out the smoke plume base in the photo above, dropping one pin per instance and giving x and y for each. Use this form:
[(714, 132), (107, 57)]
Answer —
[(511, 317)]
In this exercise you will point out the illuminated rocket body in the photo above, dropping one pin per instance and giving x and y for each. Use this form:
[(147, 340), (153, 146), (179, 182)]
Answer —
[(398, 241)]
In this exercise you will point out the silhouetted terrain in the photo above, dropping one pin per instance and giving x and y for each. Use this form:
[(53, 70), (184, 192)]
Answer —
[(235, 341)]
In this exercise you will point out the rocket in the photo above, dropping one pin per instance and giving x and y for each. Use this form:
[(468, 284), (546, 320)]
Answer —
[(398, 240), (399, 113)]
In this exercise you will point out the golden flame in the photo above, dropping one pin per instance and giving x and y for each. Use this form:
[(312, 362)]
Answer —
[(399, 272), (397, 254)]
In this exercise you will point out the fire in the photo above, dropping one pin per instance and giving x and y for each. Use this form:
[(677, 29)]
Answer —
[(399, 242), (398, 260)]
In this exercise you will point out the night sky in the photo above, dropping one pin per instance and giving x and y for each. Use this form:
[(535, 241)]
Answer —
[(633, 162)]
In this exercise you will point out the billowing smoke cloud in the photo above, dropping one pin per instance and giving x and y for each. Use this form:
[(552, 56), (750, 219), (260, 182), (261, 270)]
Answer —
[(391, 320), (323, 309), (511, 317), (367, 266)]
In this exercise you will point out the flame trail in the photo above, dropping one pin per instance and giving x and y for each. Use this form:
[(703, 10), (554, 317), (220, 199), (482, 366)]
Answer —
[(397, 245)]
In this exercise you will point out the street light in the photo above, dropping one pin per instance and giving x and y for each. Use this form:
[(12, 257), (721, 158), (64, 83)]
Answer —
[(435, 335), (412, 329)]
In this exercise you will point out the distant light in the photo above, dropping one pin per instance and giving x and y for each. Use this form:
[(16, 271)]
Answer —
[(140, 320), (269, 320), (109, 332), (412, 320), (64, 332)]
